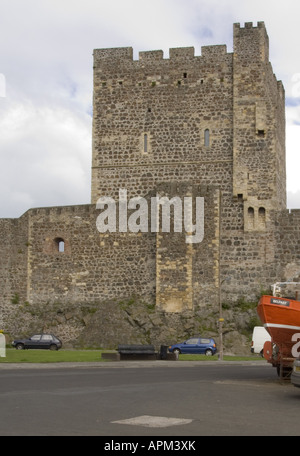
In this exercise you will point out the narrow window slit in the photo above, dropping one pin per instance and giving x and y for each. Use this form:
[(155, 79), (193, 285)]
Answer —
[(206, 138)]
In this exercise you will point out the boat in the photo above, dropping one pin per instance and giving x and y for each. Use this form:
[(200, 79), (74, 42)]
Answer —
[(281, 318)]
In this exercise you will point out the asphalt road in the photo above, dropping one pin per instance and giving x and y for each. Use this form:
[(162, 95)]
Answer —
[(158, 398)]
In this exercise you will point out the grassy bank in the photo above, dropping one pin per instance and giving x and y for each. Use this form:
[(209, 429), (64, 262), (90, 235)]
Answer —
[(47, 356), (215, 358)]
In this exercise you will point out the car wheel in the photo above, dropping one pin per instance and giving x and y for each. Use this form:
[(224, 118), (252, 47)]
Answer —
[(20, 347), (53, 347), (208, 352)]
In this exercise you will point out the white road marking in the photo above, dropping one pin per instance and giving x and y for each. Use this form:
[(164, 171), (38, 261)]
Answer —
[(153, 421)]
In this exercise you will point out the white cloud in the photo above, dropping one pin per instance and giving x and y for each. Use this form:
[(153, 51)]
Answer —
[(293, 164), (46, 59), (43, 157)]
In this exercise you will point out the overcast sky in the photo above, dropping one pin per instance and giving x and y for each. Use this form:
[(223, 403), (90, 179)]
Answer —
[(46, 78)]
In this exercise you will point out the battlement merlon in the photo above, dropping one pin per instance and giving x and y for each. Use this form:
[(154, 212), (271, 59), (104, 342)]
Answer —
[(213, 51), (113, 55)]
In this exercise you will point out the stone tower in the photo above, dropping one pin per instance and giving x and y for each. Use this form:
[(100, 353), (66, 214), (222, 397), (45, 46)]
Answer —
[(214, 122), (158, 119), (258, 127)]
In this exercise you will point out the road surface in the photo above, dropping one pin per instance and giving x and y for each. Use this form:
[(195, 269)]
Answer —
[(160, 398)]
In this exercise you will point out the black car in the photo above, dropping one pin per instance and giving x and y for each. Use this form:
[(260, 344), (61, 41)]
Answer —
[(42, 341)]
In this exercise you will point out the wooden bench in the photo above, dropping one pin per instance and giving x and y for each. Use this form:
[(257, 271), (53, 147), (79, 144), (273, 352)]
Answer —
[(144, 352), (137, 352)]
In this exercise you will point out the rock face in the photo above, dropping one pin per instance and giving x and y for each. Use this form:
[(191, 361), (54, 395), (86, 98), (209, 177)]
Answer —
[(111, 323), (208, 130)]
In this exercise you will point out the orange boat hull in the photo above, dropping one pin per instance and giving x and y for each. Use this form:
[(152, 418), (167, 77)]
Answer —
[(281, 318)]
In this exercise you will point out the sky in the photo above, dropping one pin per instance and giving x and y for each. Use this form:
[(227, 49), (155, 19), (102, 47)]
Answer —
[(46, 81)]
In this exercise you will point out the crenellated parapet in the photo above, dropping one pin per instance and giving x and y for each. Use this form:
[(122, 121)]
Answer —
[(125, 55)]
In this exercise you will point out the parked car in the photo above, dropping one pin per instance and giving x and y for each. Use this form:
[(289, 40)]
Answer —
[(199, 345), (42, 341), (295, 376)]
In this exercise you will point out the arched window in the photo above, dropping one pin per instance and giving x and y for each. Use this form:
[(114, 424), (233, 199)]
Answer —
[(60, 244), (262, 217), (250, 217), (206, 137)]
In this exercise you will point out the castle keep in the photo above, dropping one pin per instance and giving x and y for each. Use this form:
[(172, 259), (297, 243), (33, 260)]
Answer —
[(209, 126)]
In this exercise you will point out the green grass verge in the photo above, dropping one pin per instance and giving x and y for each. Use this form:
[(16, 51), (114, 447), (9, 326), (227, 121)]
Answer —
[(47, 356), (215, 358)]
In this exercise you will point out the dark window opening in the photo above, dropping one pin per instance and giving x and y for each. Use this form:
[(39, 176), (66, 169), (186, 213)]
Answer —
[(261, 133), (250, 218), (145, 143), (149, 109), (262, 217), (240, 197), (185, 75)]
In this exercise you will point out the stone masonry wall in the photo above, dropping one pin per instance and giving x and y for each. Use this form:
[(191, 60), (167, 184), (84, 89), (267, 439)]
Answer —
[(167, 103), (13, 266)]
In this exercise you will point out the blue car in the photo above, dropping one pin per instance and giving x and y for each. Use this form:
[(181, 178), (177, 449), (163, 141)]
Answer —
[(199, 345)]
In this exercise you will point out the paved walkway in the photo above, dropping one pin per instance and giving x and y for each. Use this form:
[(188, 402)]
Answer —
[(127, 364)]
